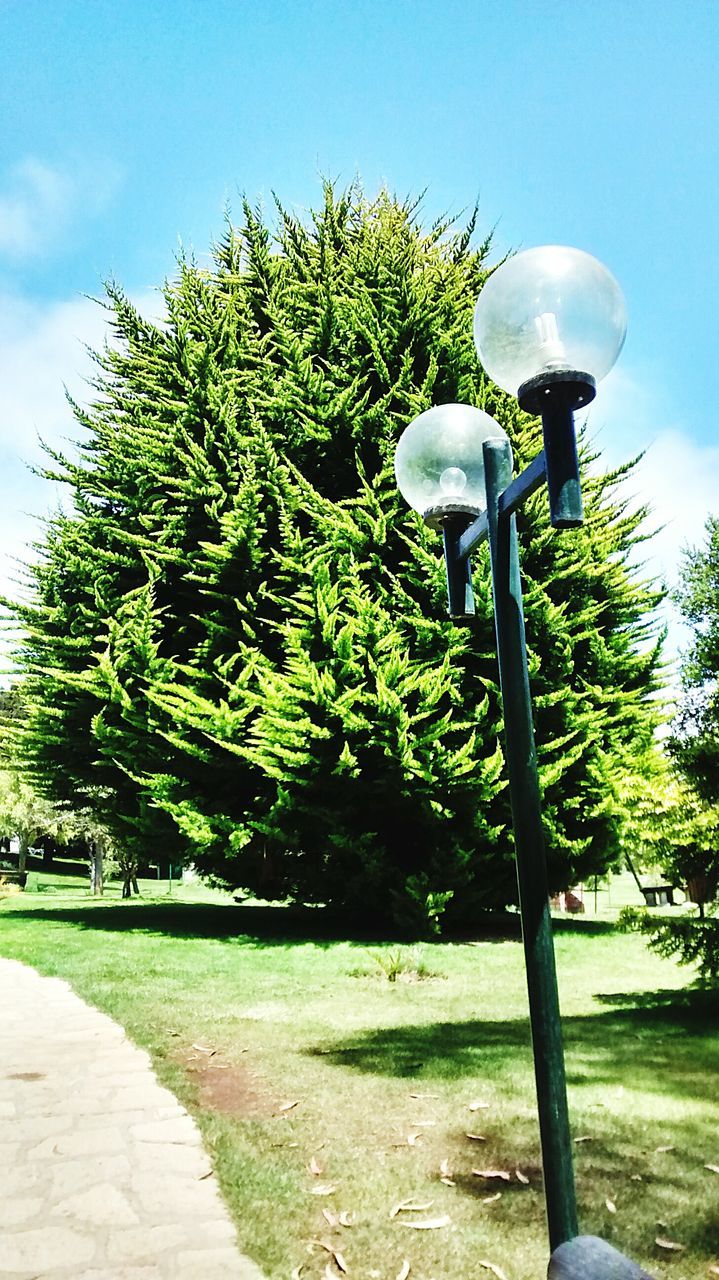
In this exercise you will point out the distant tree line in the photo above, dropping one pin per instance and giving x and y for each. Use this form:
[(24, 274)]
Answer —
[(236, 648)]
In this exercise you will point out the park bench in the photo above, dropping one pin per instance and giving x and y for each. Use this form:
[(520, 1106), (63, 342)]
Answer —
[(10, 875), (659, 895)]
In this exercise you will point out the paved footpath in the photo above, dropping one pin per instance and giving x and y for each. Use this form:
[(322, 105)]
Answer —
[(102, 1173)]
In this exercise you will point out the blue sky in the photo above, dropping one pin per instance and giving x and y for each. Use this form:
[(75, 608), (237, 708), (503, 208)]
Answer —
[(129, 126)]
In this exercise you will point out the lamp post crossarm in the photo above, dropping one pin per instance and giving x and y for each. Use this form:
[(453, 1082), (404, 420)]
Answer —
[(510, 500)]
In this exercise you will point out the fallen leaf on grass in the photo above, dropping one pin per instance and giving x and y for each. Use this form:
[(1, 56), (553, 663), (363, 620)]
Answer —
[(297, 1272), (324, 1189), (424, 1095), (444, 1169), (714, 1168), (660, 1150), (287, 1106), (203, 1048), (404, 1270), (668, 1244), (475, 1137), (478, 1106), (636, 1177), (345, 1219), (611, 1206), (429, 1224), (410, 1206), (329, 1274), (413, 1137), (492, 1266), (492, 1173), (330, 1218), (522, 1177), (492, 1199), (314, 1167), (584, 1138), (448, 1182), (337, 1256), (714, 1271)]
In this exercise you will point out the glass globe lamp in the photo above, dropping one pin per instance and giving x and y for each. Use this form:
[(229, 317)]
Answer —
[(549, 315), (439, 463)]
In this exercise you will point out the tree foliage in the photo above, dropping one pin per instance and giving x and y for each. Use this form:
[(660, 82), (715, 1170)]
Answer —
[(695, 743), (237, 646)]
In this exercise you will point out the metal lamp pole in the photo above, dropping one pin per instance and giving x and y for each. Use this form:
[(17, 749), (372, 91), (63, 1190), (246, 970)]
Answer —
[(498, 524), (542, 318)]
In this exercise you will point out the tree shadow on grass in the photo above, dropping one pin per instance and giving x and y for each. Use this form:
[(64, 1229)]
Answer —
[(664, 1043), (277, 924)]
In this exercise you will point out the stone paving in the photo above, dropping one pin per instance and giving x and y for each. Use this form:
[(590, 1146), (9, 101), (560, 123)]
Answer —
[(102, 1173)]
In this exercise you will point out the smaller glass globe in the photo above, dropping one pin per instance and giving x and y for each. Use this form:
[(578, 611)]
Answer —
[(550, 309), (439, 462)]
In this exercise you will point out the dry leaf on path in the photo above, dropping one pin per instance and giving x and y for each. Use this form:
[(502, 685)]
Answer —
[(611, 1206), (475, 1137), (345, 1219), (404, 1270), (522, 1177), (203, 1048), (424, 1095), (429, 1224), (410, 1206), (324, 1189), (668, 1244), (492, 1199), (714, 1168), (478, 1106), (493, 1173), (492, 1266), (287, 1106)]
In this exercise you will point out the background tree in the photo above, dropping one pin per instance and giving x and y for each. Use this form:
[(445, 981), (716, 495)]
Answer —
[(238, 645), (695, 743)]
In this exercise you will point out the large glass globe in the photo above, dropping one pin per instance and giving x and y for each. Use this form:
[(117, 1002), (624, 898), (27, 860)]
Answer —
[(439, 463), (550, 309)]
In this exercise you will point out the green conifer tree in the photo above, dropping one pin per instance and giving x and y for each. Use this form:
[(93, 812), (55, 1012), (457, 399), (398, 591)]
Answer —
[(250, 630)]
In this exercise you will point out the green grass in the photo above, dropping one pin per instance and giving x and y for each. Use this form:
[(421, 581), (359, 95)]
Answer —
[(317, 1022)]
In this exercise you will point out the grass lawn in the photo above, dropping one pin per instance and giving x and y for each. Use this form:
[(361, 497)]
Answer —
[(324, 1089)]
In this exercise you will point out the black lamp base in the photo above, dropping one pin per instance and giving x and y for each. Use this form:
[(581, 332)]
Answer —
[(554, 396), (568, 386)]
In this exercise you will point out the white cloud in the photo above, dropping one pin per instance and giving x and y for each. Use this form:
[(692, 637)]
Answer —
[(42, 351), (38, 201), (678, 477)]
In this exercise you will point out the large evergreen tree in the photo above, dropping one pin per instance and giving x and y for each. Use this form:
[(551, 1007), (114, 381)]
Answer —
[(238, 640)]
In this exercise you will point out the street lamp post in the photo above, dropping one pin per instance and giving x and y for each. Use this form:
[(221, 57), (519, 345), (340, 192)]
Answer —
[(548, 324)]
